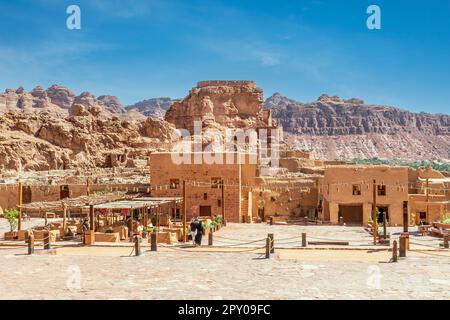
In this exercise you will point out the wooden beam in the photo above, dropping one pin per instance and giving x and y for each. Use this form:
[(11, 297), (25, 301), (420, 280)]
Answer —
[(331, 243)]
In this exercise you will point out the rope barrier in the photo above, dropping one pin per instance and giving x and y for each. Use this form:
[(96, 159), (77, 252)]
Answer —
[(423, 245)]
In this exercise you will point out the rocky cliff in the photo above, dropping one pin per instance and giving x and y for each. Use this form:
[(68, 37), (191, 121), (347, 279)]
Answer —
[(335, 128), (43, 141), (232, 104)]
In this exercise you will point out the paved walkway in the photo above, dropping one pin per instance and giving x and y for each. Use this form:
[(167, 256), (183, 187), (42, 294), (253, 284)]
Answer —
[(174, 273)]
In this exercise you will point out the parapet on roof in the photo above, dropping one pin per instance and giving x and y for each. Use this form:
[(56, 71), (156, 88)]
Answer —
[(230, 83)]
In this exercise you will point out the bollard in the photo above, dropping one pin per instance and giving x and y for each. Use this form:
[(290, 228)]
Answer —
[(210, 239), (402, 246), (304, 239), (272, 242), (306, 220), (46, 240), (394, 251), (268, 248), (446, 238), (271, 221), (31, 243), (341, 220), (137, 246), (406, 236), (153, 245)]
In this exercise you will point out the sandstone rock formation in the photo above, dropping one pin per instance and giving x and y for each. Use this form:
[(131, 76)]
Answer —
[(57, 100), (232, 104), (44, 141), (335, 128)]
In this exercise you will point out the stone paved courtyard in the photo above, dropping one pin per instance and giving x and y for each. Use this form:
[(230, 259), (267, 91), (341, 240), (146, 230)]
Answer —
[(171, 273)]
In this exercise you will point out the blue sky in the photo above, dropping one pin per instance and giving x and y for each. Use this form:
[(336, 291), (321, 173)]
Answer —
[(140, 49)]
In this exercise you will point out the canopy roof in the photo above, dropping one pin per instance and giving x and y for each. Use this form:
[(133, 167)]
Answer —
[(76, 203), (137, 203)]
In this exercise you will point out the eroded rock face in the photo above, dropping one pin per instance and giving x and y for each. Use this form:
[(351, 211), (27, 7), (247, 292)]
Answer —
[(232, 104), (335, 128), (157, 128), (43, 141)]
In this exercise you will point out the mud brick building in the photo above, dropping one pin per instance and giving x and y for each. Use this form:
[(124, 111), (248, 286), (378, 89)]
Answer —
[(203, 183), (347, 192)]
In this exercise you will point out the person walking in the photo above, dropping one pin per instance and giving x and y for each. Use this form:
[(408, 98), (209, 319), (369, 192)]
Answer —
[(84, 227), (199, 233), (193, 227)]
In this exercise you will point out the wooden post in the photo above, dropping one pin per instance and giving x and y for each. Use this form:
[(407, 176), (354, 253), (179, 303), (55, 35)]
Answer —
[(402, 246), (271, 221), (446, 238), (428, 199), (394, 251), (131, 224), (31, 243), (137, 245), (91, 218), (210, 238), (46, 240), (272, 242), (88, 187), (153, 242), (64, 220), (384, 225), (19, 222), (223, 201), (184, 212), (268, 248), (306, 220), (304, 239), (374, 213), (405, 216)]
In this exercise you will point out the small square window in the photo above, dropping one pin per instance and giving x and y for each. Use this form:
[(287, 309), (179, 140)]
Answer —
[(205, 196), (219, 203), (356, 189), (381, 190)]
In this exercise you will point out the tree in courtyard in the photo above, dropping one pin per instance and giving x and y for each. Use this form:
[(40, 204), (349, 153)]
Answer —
[(12, 216)]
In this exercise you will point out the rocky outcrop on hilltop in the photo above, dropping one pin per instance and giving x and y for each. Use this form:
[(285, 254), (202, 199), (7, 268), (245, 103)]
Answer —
[(57, 100), (335, 128), (155, 108), (232, 104)]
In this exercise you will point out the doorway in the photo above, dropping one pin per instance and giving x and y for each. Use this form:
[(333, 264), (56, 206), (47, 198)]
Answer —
[(205, 211), (352, 214), (64, 192)]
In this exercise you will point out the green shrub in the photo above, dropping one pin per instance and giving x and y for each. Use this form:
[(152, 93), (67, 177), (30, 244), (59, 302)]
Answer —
[(12, 215)]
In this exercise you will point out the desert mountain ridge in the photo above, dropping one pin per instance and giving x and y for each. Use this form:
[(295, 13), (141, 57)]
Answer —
[(60, 122)]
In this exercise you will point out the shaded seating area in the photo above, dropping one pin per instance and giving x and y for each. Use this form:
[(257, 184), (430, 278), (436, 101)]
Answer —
[(112, 218)]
